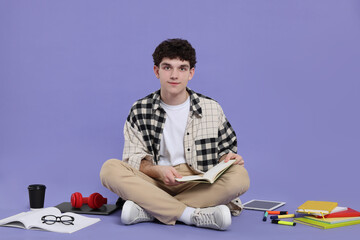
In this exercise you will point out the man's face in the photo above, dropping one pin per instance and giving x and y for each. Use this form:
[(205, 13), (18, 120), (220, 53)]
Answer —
[(174, 75)]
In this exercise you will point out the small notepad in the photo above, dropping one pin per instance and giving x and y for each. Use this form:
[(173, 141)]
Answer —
[(317, 207)]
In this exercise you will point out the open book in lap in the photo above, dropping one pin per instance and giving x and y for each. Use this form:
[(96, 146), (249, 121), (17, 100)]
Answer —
[(32, 220), (210, 176)]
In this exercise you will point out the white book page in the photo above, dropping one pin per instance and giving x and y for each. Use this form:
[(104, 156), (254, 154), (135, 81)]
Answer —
[(27, 219), (218, 169), (210, 175), (339, 209), (190, 178), (13, 221)]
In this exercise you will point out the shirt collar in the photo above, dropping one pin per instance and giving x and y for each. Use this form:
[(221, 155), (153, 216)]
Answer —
[(195, 107)]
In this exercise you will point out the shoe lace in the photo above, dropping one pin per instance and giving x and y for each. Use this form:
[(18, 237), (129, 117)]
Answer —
[(204, 219), (143, 215)]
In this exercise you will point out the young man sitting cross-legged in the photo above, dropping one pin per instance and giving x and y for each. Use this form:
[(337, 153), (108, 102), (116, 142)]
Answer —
[(171, 133)]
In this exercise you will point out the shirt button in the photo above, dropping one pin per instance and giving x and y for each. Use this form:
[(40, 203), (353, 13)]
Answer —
[(187, 133), (188, 149)]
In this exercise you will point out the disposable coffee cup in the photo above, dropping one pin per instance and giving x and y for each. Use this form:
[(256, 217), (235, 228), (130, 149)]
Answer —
[(36, 195)]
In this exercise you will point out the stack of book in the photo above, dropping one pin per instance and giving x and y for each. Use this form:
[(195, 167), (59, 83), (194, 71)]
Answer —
[(327, 215)]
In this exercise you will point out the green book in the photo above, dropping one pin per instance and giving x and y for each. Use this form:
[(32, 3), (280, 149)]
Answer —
[(333, 220), (322, 225)]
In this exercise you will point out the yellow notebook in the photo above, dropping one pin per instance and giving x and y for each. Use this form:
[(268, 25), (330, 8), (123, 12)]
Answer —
[(317, 207)]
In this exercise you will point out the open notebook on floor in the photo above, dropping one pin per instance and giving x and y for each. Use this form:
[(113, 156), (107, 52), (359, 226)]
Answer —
[(32, 220)]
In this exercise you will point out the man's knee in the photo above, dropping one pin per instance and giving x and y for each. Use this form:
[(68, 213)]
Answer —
[(241, 179), (109, 168)]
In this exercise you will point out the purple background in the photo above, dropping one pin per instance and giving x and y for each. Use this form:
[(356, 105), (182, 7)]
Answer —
[(285, 72)]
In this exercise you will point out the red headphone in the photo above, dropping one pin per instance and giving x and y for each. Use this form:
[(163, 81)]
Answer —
[(94, 201)]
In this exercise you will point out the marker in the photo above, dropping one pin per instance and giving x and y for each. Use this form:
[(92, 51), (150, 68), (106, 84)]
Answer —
[(296, 215), (277, 212), (283, 216), (265, 216), (283, 222)]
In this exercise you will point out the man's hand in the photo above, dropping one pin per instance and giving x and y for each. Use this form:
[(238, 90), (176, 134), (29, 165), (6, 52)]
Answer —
[(231, 155), (167, 174)]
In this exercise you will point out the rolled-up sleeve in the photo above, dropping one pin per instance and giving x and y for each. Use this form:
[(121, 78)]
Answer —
[(134, 147)]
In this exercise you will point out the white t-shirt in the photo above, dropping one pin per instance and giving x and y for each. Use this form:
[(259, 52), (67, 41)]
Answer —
[(172, 140)]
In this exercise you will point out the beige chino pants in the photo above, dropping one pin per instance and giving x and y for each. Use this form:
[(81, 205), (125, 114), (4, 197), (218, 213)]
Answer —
[(167, 203)]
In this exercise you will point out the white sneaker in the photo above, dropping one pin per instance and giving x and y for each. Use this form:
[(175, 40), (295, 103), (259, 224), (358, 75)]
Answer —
[(218, 217), (133, 213)]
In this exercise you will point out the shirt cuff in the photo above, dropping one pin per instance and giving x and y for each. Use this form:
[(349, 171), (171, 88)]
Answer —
[(135, 160)]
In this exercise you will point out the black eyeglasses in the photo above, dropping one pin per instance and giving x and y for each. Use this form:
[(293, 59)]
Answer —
[(52, 219)]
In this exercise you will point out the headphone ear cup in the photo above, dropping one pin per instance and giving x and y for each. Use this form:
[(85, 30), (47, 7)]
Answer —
[(76, 200), (96, 200)]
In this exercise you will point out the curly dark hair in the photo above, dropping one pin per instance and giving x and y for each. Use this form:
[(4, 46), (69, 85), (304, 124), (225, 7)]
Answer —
[(175, 48)]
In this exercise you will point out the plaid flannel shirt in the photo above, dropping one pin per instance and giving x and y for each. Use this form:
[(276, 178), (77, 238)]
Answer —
[(208, 134)]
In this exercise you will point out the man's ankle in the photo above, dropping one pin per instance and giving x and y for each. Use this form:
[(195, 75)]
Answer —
[(186, 216)]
